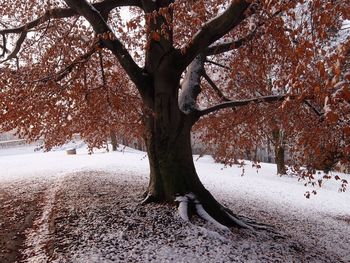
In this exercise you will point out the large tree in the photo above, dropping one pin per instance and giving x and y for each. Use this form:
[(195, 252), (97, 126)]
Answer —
[(77, 66)]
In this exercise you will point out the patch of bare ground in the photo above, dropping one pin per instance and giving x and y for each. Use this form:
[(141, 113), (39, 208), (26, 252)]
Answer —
[(17, 212), (345, 219)]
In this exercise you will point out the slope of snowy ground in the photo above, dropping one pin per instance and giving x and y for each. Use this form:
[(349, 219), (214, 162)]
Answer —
[(85, 208)]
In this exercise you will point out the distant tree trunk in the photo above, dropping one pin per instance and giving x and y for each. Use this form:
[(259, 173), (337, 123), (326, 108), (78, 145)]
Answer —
[(113, 140), (268, 151), (279, 151), (281, 168)]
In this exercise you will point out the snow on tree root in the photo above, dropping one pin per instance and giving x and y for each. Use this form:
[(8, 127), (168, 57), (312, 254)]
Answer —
[(183, 210), (183, 207)]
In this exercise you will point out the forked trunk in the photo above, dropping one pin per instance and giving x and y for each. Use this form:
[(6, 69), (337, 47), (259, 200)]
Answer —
[(172, 170)]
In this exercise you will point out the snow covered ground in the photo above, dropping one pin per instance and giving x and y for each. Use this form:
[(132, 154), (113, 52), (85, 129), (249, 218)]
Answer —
[(85, 208)]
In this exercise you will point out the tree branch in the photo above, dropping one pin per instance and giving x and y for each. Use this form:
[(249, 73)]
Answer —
[(317, 112), (53, 13), (17, 48), (225, 47), (215, 88), (190, 86), (214, 29), (238, 103), (64, 72), (103, 7), (218, 64), (3, 46), (107, 6), (109, 40)]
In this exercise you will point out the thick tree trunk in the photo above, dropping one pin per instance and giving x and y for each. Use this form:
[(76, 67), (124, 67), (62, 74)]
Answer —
[(172, 170), (173, 175)]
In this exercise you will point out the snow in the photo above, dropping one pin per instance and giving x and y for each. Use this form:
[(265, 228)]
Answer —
[(93, 201), (187, 98), (38, 237), (183, 207), (40, 164), (326, 106)]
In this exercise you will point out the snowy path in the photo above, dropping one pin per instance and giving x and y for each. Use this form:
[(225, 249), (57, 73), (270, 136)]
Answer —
[(39, 236), (85, 208)]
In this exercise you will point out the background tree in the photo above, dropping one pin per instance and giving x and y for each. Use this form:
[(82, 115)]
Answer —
[(68, 67), (305, 58)]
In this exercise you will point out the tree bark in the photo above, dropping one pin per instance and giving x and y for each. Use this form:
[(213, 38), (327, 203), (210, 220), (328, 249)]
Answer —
[(279, 156), (113, 140), (279, 151), (172, 170)]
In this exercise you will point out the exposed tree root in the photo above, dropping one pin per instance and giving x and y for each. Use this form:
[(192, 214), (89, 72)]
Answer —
[(184, 210), (187, 201), (148, 198), (190, 203), (252, 223)]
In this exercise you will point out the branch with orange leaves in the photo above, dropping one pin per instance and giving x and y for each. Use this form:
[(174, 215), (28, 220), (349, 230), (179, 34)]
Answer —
[(110, 41), (214, 29), (68, 69), (103, 7), (235, 44)]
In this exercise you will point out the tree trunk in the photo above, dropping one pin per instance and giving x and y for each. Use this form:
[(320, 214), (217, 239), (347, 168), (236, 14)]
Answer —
[(279, 156), (113, 140), (279, 152), (172, 170)]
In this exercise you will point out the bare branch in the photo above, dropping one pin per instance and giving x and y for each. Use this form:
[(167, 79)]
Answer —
[(106, 6), (215, 29), (317, 112), (218, 64), (3, 46), (239, 103), (215, 88), (54, 13), (17, 48), (225, 47)]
